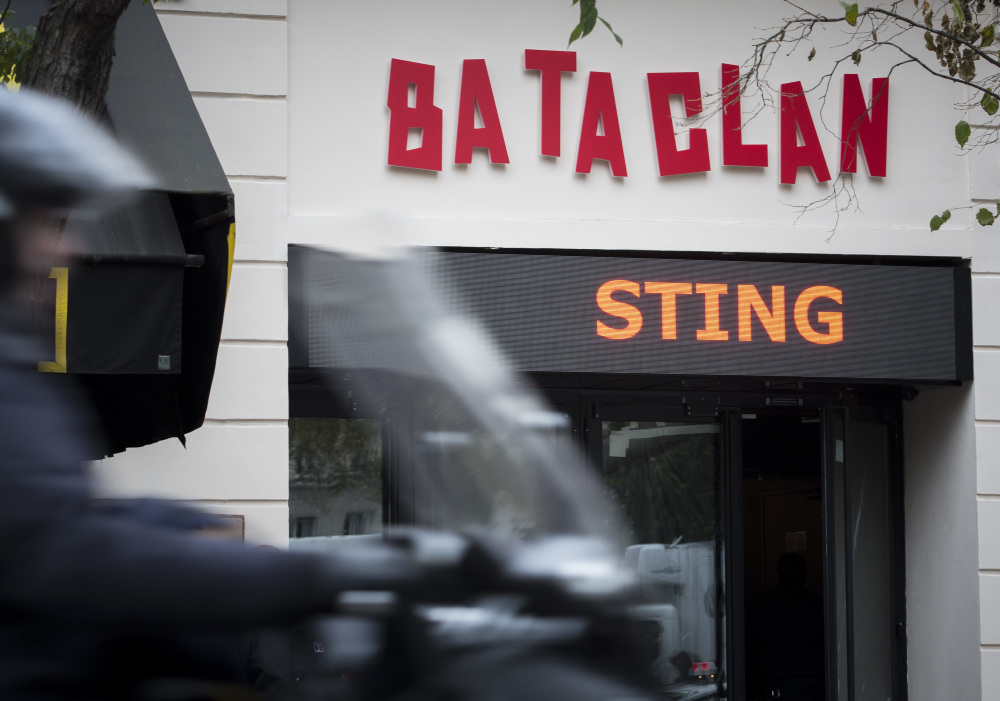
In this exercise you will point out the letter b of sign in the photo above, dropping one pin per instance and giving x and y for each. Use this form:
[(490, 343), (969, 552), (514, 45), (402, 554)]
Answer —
[(422, 115)]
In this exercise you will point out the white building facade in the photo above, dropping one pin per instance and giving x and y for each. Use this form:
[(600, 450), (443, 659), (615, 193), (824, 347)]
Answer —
[(294, 95)]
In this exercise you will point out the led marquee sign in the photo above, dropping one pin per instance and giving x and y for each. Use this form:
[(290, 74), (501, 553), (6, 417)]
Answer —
[(575, 313)]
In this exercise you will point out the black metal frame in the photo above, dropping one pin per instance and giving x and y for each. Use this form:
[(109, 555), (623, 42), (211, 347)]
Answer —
[(735, 585), (848, 560), (829, 438)]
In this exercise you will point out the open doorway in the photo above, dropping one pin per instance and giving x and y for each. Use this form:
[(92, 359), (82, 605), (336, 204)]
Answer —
[(783, 555)]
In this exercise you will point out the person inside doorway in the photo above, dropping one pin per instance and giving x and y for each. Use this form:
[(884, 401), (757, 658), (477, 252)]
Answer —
[(785, 652)]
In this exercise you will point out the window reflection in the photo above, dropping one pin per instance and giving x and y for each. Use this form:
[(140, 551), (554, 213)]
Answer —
[(666, 479), (335, 477)]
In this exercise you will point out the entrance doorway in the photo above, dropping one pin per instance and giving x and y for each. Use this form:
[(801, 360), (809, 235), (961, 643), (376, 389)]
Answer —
[(783, 556), (765, 539)]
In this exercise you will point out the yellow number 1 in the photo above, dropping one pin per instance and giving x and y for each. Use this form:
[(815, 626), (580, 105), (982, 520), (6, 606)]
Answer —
[(61, 276)]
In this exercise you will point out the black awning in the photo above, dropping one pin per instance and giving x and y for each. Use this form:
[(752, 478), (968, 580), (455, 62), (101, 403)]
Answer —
[(123, 306), (151, 110), (140, 316)]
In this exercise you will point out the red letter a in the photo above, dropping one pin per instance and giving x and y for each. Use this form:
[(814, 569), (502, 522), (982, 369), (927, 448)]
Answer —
[(600, 110), (477, 92), (796, 119)]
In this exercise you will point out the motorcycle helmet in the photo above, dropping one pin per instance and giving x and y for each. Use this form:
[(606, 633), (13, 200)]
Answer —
[(52, 157)]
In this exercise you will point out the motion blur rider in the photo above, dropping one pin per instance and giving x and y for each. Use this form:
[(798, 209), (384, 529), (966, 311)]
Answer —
[(76, 578)]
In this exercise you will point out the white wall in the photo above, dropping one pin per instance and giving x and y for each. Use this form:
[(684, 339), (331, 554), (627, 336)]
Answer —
[(338, 125), (942, 588), (293, 94)]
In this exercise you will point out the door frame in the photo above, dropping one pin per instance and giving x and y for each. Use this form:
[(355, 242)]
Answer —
[(587, 406)]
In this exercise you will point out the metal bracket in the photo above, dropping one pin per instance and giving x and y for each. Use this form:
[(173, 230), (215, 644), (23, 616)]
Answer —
[(701, 405)]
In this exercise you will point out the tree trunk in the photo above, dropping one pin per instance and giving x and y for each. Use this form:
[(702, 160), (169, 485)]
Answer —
[(73, 52)]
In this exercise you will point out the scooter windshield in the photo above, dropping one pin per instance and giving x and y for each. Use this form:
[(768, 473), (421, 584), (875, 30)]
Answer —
[(474, 445)]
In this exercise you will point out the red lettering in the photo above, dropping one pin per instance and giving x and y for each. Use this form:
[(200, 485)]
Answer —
[(734, 151), (674, 161), (796, 120), (423, 115), (600, 110), (476, 92), (551, 64), (412, 113), (867, 124)]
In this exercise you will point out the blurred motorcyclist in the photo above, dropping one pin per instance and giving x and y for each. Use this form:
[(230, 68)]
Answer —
[(78, 579)]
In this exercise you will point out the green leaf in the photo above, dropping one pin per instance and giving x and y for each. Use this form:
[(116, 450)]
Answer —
[(985, 217), (15, 43), (959, 14), (962, 133), (589, 20), (617, 38), (989, 33), (850, 13), (856, 57), (990, 103), (938, 220), (812, 54)]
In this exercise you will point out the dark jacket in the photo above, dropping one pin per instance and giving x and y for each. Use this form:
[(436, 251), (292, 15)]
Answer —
[(275, 661), (77, 580)]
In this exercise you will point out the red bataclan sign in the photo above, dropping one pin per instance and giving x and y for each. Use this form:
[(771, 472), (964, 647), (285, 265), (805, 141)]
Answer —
[(748, 302), (600, 134)]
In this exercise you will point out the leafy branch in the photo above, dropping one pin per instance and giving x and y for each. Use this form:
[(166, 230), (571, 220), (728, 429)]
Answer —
[(957, 35), (589, 18), (15, 43)]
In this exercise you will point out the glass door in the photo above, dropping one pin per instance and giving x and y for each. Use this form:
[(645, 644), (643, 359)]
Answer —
[(863, 555), (666, 476)]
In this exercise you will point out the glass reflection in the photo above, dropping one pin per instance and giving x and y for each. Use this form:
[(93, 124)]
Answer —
[(666, 478), (335, 477)]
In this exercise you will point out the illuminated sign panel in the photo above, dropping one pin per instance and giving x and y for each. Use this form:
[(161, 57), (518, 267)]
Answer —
[(705, 317), (573, 313)]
